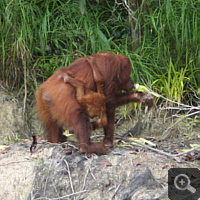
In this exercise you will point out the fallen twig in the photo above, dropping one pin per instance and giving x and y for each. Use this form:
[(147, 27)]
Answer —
[(183, 117), (66, 196), (159, 151), (117, 189), (70, 179), (16, 162)]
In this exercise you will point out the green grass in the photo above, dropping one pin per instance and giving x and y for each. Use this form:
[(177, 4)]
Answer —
[(39, 37), (169, 40), (172, 84)]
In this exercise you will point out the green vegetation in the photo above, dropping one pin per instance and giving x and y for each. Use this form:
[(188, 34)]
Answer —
[(172, 83), (37, 37)]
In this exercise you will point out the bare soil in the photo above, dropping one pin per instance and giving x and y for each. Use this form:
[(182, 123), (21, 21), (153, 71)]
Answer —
[(129, 171)]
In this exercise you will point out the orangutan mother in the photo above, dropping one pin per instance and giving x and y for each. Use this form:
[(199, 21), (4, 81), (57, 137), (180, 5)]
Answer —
[(57, 105)]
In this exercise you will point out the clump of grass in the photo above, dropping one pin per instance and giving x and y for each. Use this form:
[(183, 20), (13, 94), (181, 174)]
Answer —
[(38, 37), (172, 84), (43, 36), (169, 40)]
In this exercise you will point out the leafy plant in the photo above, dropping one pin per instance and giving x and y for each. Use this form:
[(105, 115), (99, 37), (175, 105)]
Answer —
[(37, 37), (191, 124), (169, 34), (172, 83)]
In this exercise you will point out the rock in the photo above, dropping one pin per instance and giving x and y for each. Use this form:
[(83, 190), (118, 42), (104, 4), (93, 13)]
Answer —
[(104, 177)]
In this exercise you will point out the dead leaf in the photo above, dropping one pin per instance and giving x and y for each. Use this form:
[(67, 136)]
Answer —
[(178, 151), (3, 148), (165, 166), (40, 139), (70, 137), (195, 145), (106, 163), (148, 142), (143, 141), (134, 153), (178, 159), (136, 164)]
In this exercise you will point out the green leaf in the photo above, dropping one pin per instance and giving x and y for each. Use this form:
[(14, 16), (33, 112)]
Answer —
[(82, 6), (104, 41)]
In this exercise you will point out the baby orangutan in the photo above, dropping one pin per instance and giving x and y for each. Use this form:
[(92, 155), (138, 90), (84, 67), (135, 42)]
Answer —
[(94, 102)]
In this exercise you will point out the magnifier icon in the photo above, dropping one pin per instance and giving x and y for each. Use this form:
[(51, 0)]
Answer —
[(182, 182)]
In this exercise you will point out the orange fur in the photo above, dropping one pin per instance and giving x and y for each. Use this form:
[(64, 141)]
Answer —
[(94, 102), (57, 104)]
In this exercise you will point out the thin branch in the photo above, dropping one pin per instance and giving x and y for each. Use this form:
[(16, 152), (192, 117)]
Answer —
[(126, 6), (118, 3), (16, 162), (116, 190), (45, 184), (89, 168), (159, 151), (182, 117), (174, 102), (66, 196), (70, 179)]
